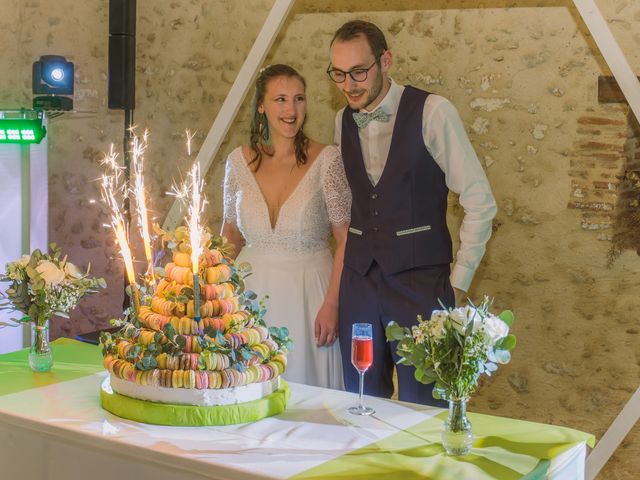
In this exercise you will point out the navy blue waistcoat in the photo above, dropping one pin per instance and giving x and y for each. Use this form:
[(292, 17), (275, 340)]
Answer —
[(400, 223)]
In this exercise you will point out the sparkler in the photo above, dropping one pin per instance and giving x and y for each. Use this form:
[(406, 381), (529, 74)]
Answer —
[(190, 193), (189, 138), (195, 231), (138, 149), (112, 189)]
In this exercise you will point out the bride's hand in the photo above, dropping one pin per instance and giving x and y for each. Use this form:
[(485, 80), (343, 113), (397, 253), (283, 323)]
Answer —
[(326, 325)]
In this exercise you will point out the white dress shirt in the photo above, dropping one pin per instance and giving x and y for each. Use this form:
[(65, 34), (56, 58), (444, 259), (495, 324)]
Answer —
[(446, 140)]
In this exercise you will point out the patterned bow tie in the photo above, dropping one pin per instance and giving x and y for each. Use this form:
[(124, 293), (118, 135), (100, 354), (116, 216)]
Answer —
[(363, 119)]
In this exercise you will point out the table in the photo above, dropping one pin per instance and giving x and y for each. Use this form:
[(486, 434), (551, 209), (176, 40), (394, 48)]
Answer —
[(52, 427)]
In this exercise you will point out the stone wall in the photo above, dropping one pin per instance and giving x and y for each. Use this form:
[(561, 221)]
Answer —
[(525, 83)]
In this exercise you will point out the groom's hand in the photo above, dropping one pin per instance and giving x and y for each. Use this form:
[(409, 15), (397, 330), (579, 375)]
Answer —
[(326, 325), (460, 295)]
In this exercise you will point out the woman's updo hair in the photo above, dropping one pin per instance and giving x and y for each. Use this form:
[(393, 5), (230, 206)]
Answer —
[(260, 136)]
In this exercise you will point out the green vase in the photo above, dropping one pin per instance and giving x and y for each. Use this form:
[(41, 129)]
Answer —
[(40, 353), (457, 436)]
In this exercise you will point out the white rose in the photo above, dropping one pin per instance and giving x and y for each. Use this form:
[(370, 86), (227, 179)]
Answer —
[(459, 318), (50, 273), (436, 328), (478, 322), (72, 271), (495, 329), (439, 315), (24, 260)]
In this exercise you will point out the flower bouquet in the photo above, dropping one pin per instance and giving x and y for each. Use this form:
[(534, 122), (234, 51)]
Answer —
[(43, 285), (452, 350)]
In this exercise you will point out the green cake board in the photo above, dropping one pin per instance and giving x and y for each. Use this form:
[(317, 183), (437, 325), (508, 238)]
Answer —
[(189, 415)]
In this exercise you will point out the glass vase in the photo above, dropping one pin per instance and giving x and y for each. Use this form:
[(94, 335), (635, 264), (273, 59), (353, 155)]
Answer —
[(40, 353), (457, 436)]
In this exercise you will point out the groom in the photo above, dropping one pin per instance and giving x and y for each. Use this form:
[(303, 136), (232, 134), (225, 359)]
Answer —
[(403, 150)]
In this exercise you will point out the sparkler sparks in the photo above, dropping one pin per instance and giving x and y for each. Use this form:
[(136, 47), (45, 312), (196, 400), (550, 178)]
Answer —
[(113, 189), (190, 193), (189, 138), (195, 230), (138, 149)]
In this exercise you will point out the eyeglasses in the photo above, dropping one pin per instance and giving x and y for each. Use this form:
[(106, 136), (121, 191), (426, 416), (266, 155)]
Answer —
[(357, 74)]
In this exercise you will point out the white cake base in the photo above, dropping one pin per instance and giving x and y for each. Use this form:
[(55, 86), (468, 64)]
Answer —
[(191, 396)]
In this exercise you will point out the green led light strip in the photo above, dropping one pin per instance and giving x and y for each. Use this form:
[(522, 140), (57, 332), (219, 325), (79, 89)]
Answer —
[(21, 130), (22, 135)]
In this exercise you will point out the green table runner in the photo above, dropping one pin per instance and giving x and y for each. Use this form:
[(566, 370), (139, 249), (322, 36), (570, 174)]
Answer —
[(504, 449), (71, 360)]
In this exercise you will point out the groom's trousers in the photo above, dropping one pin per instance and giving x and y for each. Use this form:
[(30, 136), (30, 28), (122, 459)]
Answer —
[(377, 298)]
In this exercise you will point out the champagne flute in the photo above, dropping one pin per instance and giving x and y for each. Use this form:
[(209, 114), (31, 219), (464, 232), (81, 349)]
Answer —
[(361, 359)]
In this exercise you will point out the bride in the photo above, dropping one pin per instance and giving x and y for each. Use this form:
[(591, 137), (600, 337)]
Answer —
[(284, 194)]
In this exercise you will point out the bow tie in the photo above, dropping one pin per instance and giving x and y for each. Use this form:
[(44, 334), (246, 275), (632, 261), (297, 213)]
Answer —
[(363, 119)]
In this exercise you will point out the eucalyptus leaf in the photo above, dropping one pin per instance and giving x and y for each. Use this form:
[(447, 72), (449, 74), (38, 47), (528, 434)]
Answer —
[(507, 343), (395, 331), (210, 331), (169, 331), (491, 367), (31, 272), (502, 356), (146, 363), (507, 317), (247, 354)]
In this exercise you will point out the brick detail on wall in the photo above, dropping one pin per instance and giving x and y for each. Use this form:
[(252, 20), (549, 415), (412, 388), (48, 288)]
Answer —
[(596, 166), (627, 210)]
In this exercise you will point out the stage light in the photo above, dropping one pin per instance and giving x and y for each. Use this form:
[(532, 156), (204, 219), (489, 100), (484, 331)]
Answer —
[(52, 74), (21, 126), (57, 74)]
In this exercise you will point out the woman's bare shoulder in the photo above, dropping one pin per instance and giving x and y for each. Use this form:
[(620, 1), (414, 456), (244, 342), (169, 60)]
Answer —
[(246, 152), (317, 148)]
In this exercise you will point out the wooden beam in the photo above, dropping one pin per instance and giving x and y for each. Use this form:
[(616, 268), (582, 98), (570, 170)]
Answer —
[(235, 97), (614, 436), (609, 91), (630, 87), (611, 52)]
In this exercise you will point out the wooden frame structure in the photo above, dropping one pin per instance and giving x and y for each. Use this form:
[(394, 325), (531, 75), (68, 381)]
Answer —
[(612, 54)]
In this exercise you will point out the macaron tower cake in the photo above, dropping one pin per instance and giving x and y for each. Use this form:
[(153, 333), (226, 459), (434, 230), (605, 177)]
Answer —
[(169, 366)]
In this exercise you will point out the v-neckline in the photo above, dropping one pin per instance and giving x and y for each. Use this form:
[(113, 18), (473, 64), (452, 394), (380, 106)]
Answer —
[(274, 227)]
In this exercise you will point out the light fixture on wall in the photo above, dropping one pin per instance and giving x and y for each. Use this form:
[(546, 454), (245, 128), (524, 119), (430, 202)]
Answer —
[(21, 126), (52, 77)]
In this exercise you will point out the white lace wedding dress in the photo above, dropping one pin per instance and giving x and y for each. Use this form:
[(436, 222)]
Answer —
[(291, 263)]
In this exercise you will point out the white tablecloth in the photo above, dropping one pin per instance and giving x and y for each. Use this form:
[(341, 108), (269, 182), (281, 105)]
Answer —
[(60, 432)]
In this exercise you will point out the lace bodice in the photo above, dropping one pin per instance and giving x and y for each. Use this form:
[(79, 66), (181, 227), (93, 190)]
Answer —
[(303, 225)]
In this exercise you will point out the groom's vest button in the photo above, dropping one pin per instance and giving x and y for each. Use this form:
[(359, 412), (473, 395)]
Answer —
[(374, 229), (375, 213), (374, 196)]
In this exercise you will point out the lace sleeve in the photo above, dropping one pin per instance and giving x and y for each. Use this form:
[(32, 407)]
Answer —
[(337, 195), (229, 192)]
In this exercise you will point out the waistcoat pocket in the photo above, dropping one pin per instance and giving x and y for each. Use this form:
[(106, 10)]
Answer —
[(410, 231)]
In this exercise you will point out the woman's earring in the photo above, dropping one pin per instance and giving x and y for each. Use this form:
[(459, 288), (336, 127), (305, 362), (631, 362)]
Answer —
[(265, 132)]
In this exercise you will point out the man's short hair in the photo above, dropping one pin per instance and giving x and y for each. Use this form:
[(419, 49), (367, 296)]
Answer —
[(361, 28)]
